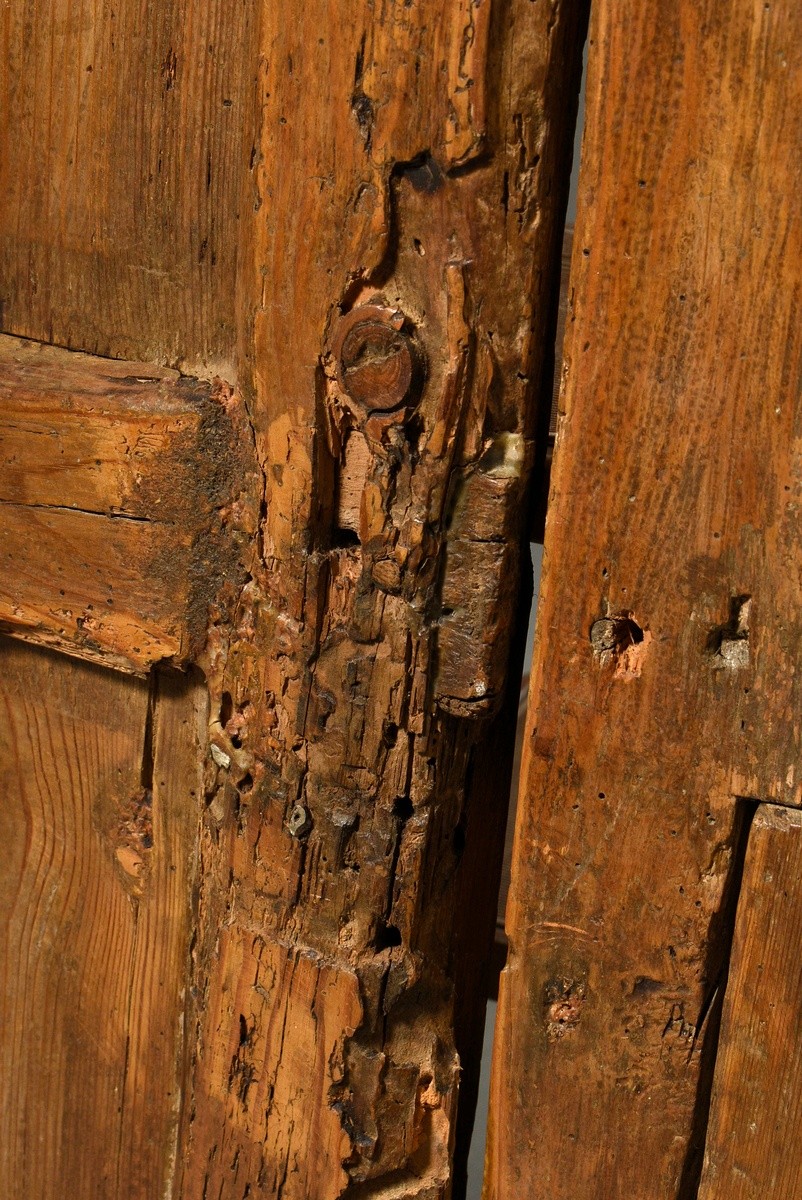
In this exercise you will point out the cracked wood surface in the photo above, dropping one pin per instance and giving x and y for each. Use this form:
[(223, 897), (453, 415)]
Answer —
[(360, 667), (102, 794), (665, 682), (388, 184), (118, 486)]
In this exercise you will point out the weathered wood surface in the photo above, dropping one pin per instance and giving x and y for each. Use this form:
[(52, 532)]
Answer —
[(101, 801), (125, 130), (753, 1150), (398, 260), (398, 291), (666, 674), (118, 490)]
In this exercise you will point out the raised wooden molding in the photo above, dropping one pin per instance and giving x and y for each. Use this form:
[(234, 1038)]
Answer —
[(117, 490)]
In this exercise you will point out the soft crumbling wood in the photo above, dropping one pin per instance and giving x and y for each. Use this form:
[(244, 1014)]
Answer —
[(101, 802), (398, 291), (753, 1150), (118, 490), (666, 675)]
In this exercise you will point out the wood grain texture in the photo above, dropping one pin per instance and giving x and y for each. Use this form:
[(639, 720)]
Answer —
[(100, 435), (118, 491), (98, 828), (114, 591), (753, 1145), (363, 660), (666, 670), (124, 134)]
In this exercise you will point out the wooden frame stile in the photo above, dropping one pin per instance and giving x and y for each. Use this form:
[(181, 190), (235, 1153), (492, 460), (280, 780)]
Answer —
[(751, 1149), (396, 305)]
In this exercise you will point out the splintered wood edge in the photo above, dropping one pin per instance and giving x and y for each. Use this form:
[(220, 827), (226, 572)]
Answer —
[(118, 484)]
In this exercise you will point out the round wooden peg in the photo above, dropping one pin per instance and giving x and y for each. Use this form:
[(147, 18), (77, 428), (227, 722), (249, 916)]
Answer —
[(376, 359)]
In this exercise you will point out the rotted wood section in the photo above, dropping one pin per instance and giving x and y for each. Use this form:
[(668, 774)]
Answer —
[(118, 504), (666, 677), (399, 292)]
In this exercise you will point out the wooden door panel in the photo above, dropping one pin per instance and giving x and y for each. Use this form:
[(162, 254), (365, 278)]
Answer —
[(99, 826), (373, 197), (125, 136), (666, 682)]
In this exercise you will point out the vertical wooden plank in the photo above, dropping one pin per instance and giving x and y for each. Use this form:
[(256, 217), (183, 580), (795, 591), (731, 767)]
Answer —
[(476, 960), (753, 1150), (95, 912), (406, 189), (666, 669), (155, 1076), (72, 764)]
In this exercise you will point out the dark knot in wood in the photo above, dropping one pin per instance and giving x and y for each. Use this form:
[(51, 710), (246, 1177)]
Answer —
[(377, 362)]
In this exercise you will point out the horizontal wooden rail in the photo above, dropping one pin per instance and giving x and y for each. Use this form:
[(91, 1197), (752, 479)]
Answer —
[(117, 483)]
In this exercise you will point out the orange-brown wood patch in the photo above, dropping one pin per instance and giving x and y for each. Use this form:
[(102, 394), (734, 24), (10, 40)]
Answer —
[(116, 483)]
